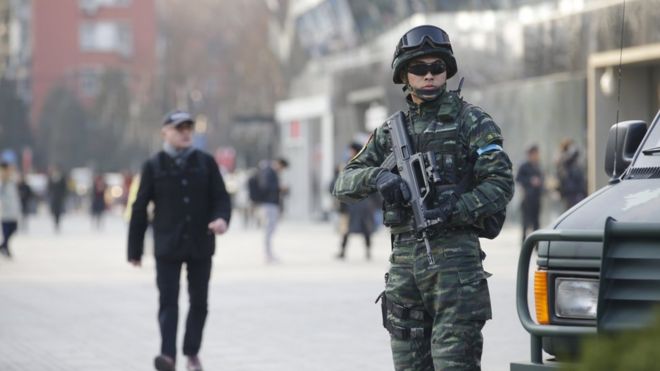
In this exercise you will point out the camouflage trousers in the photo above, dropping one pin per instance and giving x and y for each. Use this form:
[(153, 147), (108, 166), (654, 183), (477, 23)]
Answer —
[(444, 305)]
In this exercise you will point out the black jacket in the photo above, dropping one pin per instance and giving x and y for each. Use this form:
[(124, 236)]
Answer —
[(526, 173), (186, 199), (269, 183)]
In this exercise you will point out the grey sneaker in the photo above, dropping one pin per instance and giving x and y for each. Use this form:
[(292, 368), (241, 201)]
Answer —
[(194, 364), (164, 363)]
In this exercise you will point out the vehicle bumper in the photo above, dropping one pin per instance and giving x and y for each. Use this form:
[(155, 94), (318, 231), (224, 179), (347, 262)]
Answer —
[(515, 366)]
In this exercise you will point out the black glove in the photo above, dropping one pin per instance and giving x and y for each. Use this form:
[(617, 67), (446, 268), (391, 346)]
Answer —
[(393, 189), (444, 211)]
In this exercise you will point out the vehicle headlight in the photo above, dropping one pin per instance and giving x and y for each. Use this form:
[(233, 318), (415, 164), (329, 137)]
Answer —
[(576, 298)]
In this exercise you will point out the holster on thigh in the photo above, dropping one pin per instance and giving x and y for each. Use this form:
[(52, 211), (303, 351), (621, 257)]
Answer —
[(404, 313)]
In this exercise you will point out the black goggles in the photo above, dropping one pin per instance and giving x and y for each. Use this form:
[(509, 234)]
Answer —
[(418, 35), (421, 69)]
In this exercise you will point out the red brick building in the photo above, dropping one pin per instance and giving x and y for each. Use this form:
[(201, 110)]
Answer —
[(75, 41)]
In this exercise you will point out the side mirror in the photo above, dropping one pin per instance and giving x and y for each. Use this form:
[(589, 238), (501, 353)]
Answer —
[(622, 143)]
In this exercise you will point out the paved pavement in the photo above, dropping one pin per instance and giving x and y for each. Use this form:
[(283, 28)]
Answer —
[(69, 301)]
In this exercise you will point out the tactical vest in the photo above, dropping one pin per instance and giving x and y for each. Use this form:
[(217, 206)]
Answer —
[(442, 137), (455, 163)]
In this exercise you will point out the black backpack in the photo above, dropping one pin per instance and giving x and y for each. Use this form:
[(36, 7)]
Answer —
[(255, 190), (488, 226)]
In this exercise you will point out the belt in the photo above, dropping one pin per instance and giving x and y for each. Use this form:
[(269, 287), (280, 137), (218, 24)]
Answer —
[(401, 233)]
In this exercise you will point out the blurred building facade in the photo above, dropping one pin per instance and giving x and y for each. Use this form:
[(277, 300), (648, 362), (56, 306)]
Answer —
[(75, 42), (257, 138), (5, 19), (15, 51), (111, 68), (536, 66), (15, 46)]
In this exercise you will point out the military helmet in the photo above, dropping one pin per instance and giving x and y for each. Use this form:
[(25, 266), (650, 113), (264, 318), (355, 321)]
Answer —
[(421, 41)]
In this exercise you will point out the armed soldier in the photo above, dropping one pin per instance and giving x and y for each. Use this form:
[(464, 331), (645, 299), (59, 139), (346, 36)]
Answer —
[(445, 181)]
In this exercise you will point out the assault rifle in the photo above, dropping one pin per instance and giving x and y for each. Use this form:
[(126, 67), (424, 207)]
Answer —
[(419, 171)]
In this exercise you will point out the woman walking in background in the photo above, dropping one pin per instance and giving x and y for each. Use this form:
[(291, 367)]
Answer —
[(356, 217), (360, 220)]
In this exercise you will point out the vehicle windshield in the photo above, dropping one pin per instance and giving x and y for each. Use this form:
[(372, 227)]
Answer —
[(651, 145)]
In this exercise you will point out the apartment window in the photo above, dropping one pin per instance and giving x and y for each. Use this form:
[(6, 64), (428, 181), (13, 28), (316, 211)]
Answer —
[(90, 7), (109, 37), (124, 39)]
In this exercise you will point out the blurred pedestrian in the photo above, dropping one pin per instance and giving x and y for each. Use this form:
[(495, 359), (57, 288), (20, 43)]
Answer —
[(26, 196), (191, 206), (241, 199), (10, 206), (361, 221), (131, 196), (57, 193), (127, 181), (572, 183), (270, 189), (98, 204), (356, 217), (531, 178)]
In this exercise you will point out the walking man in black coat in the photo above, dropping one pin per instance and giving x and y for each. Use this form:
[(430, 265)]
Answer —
[(191, 206)]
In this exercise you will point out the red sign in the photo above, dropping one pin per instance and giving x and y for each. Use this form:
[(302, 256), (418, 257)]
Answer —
[(294, 129)]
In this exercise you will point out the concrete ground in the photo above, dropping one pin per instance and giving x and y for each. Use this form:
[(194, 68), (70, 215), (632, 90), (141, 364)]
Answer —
[(70, 302)]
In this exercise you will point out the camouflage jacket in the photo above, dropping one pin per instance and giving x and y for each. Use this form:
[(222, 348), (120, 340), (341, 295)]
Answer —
[(479, 150)]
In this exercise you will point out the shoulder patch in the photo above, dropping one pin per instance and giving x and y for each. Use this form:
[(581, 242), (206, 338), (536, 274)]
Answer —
[(371, 137), (489, 148)]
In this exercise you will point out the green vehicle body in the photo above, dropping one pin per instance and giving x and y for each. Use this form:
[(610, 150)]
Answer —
[(611, 239)]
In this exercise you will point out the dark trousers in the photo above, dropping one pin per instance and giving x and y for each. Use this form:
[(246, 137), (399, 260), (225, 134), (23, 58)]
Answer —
[(167, 277), (8, 229), (344, 242), (530, 216)]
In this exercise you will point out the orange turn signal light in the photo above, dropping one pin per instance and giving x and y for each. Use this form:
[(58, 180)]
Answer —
[(541, 297)]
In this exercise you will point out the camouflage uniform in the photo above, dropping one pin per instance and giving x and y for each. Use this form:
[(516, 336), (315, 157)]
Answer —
[(435, 313)]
